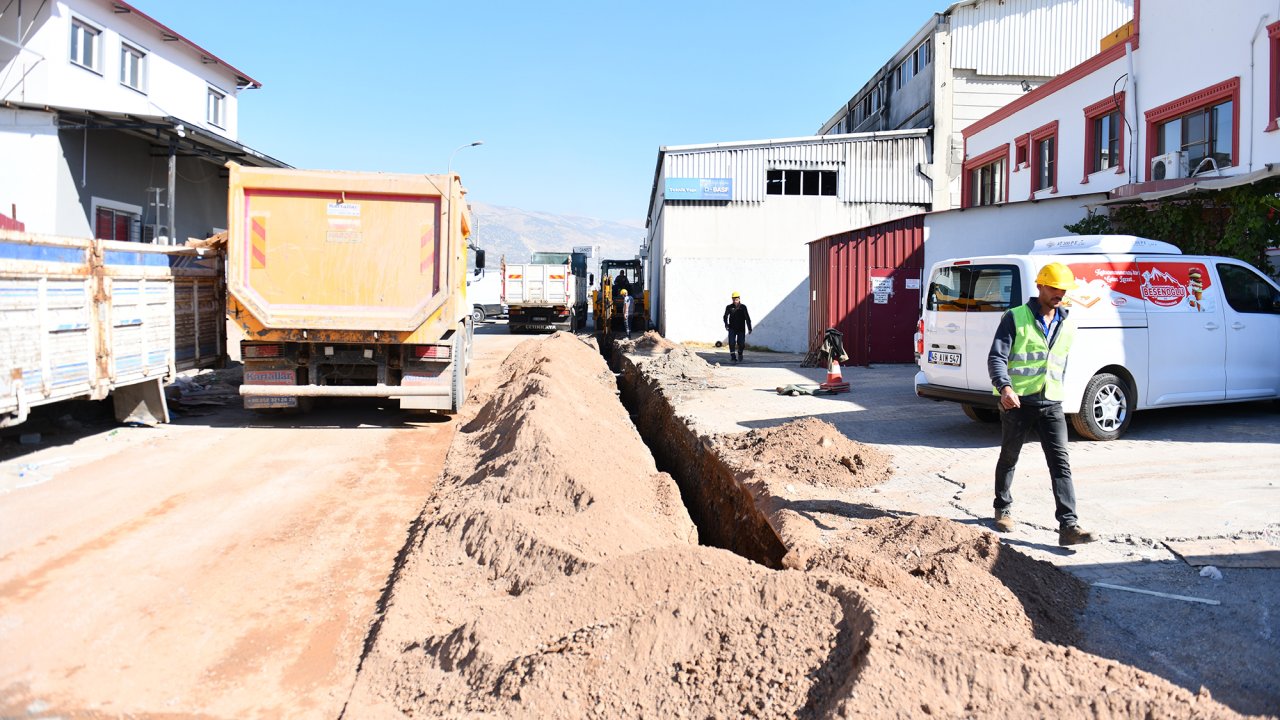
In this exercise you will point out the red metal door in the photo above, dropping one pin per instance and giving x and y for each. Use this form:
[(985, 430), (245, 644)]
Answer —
[(894, 299)]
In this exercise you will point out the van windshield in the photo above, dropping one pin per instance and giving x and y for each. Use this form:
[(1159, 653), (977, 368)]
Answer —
[(974, 288)]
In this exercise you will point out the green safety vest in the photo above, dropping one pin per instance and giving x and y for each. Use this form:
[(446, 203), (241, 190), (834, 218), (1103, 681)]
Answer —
[(1033, 365)]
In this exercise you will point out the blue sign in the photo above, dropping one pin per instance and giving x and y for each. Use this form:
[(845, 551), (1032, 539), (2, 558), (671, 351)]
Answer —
[(699, 189)]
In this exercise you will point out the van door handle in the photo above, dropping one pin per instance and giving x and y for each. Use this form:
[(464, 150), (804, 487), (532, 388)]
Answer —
[(1211, 326), (1237, 325), (952, 327)]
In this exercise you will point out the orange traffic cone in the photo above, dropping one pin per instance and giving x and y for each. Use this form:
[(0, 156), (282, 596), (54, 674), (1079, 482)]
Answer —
[(835, 380)]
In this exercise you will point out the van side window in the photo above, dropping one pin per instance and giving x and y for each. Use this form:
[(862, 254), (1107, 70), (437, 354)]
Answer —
[(1246, 291), (974, 288)]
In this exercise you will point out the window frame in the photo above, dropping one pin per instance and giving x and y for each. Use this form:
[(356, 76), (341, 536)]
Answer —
[(997, 154), (1227, 90), (1022, 152), (126, 49), (1036, 138), (221, 119), (79, 23), (135, 212), (1093, 113), (826, 179)]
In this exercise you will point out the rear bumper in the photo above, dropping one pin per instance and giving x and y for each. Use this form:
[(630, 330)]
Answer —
[(346, 390), (964, 396)]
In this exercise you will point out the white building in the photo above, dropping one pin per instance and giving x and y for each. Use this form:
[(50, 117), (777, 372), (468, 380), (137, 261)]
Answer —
[(731, 217), (970, 60), (1148, 117), (112, 124)]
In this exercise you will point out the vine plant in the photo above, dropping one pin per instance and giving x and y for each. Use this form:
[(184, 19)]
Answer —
[(1240, 222)]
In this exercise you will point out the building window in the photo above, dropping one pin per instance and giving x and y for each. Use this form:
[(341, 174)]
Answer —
[(1104, 136), (117, 224), (1044, 158), (1273, 33), (133, 66), (217, 108), (86, 45), (801, 182), (1204, 125), (1020, 146), (986, 178), (1201, 134)]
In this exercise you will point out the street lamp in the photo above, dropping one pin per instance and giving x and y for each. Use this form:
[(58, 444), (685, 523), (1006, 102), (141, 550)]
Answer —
[(461, 147)]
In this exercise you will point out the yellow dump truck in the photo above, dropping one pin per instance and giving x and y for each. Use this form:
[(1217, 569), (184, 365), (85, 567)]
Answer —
[(349, 284)]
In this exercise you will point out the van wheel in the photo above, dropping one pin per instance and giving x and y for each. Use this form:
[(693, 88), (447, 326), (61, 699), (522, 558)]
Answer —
[(1106, 409), (981, 414)]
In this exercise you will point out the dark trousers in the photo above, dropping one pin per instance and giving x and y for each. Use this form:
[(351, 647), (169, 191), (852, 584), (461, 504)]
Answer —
[(737, 341), (1048, 421)]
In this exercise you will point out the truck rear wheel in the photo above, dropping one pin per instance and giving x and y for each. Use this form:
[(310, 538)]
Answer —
[(981, 414), (1106, 409), (477, 314)]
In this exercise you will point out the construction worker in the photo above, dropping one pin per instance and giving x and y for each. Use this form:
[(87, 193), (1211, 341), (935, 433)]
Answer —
[(1026, 365), (738, 322), (626, 312)]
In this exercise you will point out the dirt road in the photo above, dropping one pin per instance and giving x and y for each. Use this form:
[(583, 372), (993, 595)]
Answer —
[(224, 565)]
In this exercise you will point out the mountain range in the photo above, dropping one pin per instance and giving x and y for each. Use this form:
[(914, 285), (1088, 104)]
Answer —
[(515, 234)]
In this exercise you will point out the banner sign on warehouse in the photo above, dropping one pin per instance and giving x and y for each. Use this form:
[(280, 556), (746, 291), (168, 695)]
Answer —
[(699, 189)]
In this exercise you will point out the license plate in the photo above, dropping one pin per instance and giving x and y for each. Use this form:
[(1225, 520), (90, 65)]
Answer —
[(539, 318), (944, 358)]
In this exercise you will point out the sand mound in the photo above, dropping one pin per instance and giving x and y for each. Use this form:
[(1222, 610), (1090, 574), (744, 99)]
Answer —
[(554, 575), (808, 450)]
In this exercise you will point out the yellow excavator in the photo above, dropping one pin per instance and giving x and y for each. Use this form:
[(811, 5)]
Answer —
[(616, 276)]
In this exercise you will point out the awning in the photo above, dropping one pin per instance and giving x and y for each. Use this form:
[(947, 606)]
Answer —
[(1193, 187), (190, 140)]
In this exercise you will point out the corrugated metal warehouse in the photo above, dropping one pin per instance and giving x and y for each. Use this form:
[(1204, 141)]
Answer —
[(738, 217)]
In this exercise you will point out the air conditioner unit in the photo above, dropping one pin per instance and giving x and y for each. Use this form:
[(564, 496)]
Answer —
[(1169, 166)]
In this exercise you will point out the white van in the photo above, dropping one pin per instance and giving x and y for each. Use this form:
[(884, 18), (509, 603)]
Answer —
[(1156, 328), (484, 292)]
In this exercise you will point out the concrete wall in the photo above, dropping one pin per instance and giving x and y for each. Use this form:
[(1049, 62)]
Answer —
[(118, 168), (999, 229), (30, 157), (177, 82), (759, 250)]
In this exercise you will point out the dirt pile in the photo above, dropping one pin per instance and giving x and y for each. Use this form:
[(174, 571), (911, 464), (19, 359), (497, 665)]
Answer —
[(808, 450), (674, 366), (553, 574)]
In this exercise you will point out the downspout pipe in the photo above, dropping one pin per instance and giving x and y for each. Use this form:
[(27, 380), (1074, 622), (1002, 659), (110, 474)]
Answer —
[(1253, 100), (1135, 160)]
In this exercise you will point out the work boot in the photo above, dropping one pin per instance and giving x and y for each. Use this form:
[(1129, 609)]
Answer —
[(1004, 520), (1074, 535), (733, 357)]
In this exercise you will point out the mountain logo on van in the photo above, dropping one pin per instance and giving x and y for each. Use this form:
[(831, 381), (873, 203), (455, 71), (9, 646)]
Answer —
[(1161, 288)]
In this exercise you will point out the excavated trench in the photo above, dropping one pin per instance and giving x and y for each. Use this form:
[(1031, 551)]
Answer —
[(724, 510), (556, 573)]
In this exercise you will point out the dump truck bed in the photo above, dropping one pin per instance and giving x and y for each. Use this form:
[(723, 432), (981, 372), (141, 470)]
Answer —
[(323, 250)]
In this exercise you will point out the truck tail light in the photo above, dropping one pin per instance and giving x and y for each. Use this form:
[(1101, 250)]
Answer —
[(262, 351), (432, 352)]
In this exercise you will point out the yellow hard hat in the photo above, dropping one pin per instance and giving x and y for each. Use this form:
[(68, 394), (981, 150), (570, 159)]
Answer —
[(1056, 275), (735, 295), (624, 291)]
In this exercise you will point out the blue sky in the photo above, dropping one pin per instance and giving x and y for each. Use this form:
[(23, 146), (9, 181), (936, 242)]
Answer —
[(572, 99)]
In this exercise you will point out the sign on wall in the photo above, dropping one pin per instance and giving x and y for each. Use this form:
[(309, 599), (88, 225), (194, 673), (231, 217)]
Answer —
[(699, 189)]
